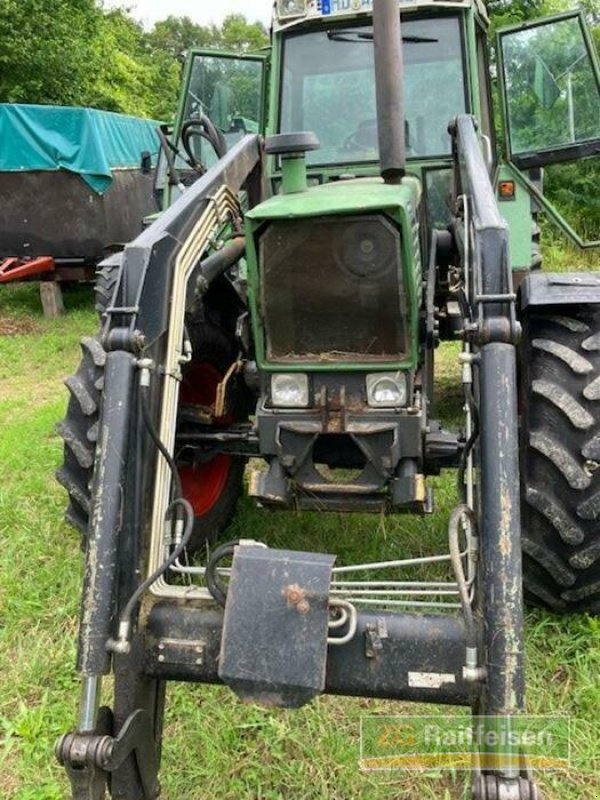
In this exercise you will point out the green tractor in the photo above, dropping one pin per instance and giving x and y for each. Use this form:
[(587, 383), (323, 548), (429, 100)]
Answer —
[(333, 210)]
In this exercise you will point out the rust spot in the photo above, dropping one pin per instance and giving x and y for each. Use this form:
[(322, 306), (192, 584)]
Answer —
[(505, 537), (294, 594), (296, 597), (303, 607)]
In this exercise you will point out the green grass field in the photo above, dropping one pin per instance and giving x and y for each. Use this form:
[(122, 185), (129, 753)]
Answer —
[(214, 746)]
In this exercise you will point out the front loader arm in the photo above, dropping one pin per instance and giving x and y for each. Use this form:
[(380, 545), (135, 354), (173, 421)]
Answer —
[(139, 330), (490, 338)]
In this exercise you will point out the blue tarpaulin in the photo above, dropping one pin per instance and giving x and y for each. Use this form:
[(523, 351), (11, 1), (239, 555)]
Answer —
[(86, 141)]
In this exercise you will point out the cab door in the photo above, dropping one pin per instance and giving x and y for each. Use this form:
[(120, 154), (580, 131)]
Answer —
[(550, 87), (230, 90)]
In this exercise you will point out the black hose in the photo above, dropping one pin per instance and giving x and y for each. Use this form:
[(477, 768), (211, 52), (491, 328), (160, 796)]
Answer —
[(204, 129), (213, 584), (178, 492), (175, 555), (470, 443), (215, 136), (177, 503), (168, 151)]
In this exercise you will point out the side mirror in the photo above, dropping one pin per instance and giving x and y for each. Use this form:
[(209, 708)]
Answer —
[(146, 163)]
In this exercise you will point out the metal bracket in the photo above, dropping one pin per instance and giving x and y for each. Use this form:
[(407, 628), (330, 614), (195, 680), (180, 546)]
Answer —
[(375, 633), (277, 606), (89, 758)]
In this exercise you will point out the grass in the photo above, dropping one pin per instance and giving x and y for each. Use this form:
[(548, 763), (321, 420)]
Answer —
[(214, 746)]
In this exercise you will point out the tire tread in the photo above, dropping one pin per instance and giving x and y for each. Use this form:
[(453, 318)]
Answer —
[(560, 448)]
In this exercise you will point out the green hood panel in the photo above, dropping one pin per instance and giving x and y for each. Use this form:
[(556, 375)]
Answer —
[(358, 196)]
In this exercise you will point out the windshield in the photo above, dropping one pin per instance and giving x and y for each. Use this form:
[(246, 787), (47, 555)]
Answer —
[(329, 88)]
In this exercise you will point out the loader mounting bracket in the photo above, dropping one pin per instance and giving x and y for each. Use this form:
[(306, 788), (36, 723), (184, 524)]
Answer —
[(89, 758)]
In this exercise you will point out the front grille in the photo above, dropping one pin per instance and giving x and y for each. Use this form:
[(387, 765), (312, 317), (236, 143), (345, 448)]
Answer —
[(332, 289)]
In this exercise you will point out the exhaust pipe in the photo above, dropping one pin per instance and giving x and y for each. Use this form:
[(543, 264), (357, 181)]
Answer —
[(389, 77)]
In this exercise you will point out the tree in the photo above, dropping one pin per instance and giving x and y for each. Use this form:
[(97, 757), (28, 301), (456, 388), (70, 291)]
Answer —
[(174, 35), (74, 52), (48, 50), (242, 36)]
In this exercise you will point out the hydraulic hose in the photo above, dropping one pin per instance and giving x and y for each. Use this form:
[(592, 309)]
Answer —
[(177, 552), (122, 644), (158, 444), (463, 590), (470, 443), (213, 584)]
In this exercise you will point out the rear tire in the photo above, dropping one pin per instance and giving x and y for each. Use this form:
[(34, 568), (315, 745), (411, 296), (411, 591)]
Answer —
[(560, 453), (213, 488)]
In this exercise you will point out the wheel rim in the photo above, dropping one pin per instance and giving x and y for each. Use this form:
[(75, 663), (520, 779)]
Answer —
[(203, 483)]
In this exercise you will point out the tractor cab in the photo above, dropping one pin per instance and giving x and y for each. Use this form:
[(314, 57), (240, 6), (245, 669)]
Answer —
[(318, 75)]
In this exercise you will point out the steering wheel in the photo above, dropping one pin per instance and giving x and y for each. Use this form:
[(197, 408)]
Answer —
[(364, 137)]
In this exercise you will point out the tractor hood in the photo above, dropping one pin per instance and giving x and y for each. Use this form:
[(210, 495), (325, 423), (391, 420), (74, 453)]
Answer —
[(334, 277), (357, 196)]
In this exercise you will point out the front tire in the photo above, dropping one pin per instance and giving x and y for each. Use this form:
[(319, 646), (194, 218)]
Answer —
[(213, 487), (560, 455), (79, 431)]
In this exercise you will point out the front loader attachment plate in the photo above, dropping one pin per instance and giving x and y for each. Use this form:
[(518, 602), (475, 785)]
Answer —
[(274, 644)]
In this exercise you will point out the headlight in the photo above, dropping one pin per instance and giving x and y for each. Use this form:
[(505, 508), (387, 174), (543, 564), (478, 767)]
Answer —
[(287, 9), (289, 391), (387, 389)]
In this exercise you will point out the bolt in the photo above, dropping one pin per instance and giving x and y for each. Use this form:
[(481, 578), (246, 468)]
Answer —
[(303, 607), (294, 594)]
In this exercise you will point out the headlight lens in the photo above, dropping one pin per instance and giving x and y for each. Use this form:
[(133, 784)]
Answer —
[(290, 391), (387, 390), (286, 9)]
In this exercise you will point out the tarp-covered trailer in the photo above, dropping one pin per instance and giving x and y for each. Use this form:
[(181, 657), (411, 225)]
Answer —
[(72, 188)]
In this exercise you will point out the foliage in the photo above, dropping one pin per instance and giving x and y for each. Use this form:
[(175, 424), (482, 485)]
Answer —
[(74, 52), (49, 50), (573, 189)]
